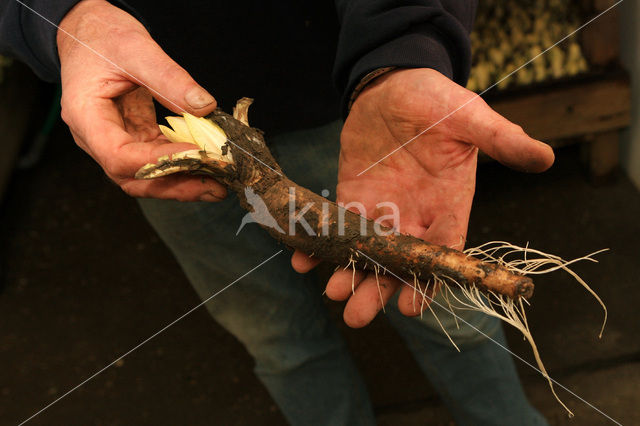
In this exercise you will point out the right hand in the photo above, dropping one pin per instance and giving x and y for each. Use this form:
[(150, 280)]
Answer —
[(108, 81), (430, 181)]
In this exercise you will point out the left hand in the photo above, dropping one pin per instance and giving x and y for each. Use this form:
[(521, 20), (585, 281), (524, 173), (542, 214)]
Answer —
[(431, 179), (110, 68)]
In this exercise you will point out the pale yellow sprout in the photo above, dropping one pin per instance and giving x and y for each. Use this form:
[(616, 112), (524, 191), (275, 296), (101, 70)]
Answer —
[(176, 137), (180, 127), (207, 135), (204, 133)]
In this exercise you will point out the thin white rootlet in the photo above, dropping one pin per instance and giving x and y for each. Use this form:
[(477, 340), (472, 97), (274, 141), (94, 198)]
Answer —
[(522, 260)]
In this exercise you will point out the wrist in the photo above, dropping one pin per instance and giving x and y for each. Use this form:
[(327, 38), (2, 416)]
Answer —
[(90, 21), (386, 88), (67, 29), (365, 81)]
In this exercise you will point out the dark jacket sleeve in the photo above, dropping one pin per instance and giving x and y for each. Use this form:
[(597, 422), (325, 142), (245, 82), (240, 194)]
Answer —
[(28, 30), (402, 33)]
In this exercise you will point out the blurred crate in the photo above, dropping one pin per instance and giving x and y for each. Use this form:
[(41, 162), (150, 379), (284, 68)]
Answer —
[(590, 106)]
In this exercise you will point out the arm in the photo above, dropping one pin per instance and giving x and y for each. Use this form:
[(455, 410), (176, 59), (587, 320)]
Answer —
[(31, 38)]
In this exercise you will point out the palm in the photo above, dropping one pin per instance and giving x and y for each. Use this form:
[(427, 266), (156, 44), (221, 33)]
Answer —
[(430, 179)]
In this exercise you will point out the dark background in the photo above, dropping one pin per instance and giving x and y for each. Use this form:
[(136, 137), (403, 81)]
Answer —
[(83, 278)]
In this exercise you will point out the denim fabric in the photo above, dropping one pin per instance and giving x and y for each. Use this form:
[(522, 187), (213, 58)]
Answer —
[(281, 319)]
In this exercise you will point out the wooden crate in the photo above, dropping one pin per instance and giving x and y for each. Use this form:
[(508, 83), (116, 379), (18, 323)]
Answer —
[(590, 109)]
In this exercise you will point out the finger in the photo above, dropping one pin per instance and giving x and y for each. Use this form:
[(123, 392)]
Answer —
[(369, 298), (99, 130), (167, 81), (303, 263), (99, 125), (130, 157), (448, 229), (176, 187), (139, 114), (502, 140), (414, 299), (343, 283)]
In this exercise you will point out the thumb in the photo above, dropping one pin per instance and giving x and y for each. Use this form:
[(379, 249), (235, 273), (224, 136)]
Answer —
[(167, 81), (506, 142)]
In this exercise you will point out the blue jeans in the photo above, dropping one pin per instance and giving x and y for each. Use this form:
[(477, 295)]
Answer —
[(282, 321)]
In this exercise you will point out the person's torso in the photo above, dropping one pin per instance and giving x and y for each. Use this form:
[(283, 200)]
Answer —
[(280, 53)]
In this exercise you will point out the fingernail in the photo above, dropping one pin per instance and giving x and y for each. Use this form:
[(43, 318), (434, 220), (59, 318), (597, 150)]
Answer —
[(209, 198), (198, 98)]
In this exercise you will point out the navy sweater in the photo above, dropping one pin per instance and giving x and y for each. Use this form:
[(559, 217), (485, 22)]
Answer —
[(291, 55)]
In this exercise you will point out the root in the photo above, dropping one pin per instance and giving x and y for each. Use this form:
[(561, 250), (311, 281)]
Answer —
[(445, 295), (352, 263), (375, 269), (237, 156), (438, 281), (521, 260), (506, 255), (511, 312), (241, 110), (415, 290)]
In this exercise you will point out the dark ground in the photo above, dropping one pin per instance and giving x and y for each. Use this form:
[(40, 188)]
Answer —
[(85, 280)]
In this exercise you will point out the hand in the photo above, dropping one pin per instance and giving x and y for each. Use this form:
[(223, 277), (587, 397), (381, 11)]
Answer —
[(107, 86), (431, 179)]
